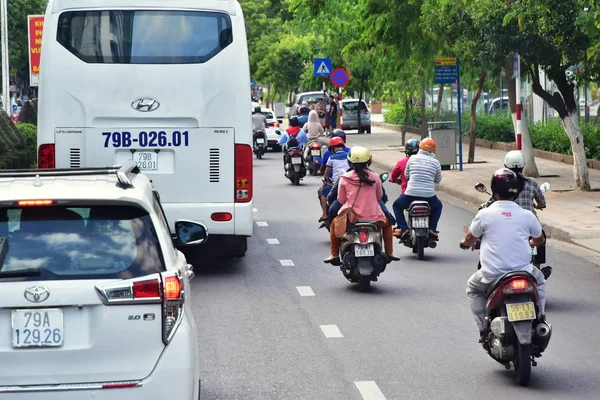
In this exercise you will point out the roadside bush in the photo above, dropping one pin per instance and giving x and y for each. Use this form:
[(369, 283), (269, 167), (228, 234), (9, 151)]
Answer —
[(13, 151), (29, 132), (29, 113)]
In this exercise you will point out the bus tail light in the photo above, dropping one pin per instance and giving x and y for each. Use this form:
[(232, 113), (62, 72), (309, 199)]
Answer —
[(46, 156), (243, 173)]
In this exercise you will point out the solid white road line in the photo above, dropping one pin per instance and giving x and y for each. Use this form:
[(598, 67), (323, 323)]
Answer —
[(272, 241), (369, 390), (261, 223), (305, 291), (287, 263), (331, 331)]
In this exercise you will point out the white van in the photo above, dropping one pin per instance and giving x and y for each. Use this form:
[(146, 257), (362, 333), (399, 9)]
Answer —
[(164, 84)]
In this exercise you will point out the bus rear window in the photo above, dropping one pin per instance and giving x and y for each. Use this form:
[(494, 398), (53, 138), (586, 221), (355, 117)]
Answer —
[(144, 37)]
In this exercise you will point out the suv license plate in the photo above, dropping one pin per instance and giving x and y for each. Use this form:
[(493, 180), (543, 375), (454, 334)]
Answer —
[(296, 160), (146, 160), (520, 311), (37, 328), (364, 250), (420, 222)]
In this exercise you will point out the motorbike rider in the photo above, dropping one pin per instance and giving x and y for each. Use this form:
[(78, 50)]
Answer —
[(303, 117), (361, 190), (336, 166), (411, 147), (313, 129), (504, 229), (327, 154), (423, 172), (530, 197), (293, 132), (259, 121)]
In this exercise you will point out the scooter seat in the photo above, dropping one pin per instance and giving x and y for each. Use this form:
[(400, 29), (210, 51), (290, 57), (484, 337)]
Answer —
[(496, 282)]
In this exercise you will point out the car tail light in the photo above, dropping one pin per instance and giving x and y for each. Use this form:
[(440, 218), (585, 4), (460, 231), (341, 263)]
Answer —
[(364, 235), (172, 306), (29, 203), (146, 289), (47, 156), (366, 111), (221, 217), (419, 212), (517, 286), (243, 173), (276, 124)]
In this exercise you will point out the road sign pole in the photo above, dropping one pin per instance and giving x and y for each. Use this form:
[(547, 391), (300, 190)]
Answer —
[(459, 116), (517, 74)]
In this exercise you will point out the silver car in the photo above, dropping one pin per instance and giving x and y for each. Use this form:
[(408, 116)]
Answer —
[(349, 109)]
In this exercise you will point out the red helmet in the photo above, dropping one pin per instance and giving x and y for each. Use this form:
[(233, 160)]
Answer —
[(336, 141)]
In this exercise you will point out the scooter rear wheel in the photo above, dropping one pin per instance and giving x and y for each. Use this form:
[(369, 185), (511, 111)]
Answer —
[(364, 283), (523, 365), (420, 247)]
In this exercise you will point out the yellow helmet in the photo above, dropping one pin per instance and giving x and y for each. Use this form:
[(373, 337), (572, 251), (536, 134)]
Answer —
[(359, 155)]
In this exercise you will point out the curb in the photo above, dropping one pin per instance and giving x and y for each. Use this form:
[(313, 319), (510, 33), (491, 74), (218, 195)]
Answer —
[(553, 232)]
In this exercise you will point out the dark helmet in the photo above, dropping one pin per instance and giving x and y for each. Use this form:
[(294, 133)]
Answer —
[(505, 183), (339, 133), (294, 121), (304, 110), (257, 109), (411, 147)]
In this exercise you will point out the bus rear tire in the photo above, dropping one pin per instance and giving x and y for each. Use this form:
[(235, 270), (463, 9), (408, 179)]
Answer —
[(239, 246)]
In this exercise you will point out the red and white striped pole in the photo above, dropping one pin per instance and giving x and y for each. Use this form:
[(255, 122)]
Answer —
[(517, 74)]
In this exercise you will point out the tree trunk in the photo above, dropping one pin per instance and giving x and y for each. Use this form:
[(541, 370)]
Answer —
[(580, 168), (406, 111), (527, 148), (438, 108), (473, 133), (423, 116)]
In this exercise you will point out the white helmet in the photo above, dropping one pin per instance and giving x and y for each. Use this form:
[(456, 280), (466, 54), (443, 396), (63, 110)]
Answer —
[(514, 160)]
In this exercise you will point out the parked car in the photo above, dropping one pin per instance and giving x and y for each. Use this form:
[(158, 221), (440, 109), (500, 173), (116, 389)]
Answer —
[(302, 97), (498, 105), (349, 115), (95, 297)]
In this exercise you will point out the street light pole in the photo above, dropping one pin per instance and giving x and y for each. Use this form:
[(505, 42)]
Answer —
[(4, 44)]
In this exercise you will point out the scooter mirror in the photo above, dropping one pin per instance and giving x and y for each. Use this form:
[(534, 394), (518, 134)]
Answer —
[(544, 187), (384, 176), (481, 188)]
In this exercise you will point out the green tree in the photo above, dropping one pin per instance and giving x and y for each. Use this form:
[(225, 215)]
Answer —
[(18, 45)]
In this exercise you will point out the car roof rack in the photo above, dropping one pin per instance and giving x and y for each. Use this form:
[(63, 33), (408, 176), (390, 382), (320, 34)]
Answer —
[(124, 173)]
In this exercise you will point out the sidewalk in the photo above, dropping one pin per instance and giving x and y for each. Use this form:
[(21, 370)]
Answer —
[(570, 216)]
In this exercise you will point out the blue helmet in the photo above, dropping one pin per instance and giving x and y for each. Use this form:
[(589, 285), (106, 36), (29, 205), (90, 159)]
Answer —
[(339, 133)]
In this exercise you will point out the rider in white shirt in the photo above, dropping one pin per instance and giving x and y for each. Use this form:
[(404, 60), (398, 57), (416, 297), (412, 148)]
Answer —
[(504, 228)]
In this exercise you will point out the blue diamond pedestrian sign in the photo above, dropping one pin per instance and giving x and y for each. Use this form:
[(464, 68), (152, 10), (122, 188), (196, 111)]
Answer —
[(323, 66)]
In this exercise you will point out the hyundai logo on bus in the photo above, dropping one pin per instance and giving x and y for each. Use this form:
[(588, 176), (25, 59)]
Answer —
[(145, 104)]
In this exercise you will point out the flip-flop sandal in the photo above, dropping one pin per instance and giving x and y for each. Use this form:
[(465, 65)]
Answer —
[(322, 219)]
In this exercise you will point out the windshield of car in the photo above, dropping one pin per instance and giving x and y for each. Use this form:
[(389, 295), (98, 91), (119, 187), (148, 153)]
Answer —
[(78, 242)]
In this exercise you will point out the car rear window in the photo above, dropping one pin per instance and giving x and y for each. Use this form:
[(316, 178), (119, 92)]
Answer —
[(268, 115), (352, 105), (305, 97), (79, 242), (144, 37)]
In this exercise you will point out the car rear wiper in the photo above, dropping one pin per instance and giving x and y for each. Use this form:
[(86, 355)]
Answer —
[(18, 273)]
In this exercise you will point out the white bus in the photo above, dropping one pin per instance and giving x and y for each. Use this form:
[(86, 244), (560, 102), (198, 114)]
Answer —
[(165, 83)]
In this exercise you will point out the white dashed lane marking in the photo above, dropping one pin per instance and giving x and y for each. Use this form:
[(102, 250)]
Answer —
[(272, 241), (255, 210), (305, 291), (261, 223), (331, 331), (287, 263), (369, 390)]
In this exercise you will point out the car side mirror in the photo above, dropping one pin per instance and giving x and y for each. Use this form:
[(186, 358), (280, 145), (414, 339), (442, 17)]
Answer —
[(545, 186), (384, 177), (481, 188), (190, 233)]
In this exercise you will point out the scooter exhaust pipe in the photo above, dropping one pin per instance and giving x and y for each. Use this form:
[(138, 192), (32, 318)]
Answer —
[(432, 244), (542, 330)]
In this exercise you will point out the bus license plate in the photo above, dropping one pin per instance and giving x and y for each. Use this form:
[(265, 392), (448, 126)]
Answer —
[(296, 160), (146, 160), (37, 328), (364, 250), (420, 222), (520, 311)]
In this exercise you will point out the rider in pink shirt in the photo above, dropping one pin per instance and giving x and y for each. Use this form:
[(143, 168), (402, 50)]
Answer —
[(410, 148)]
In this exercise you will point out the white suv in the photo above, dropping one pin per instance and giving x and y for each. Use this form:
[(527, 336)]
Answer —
[(94, 298)]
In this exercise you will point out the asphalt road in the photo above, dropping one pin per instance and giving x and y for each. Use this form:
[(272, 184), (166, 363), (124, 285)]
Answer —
[(411, 337)]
